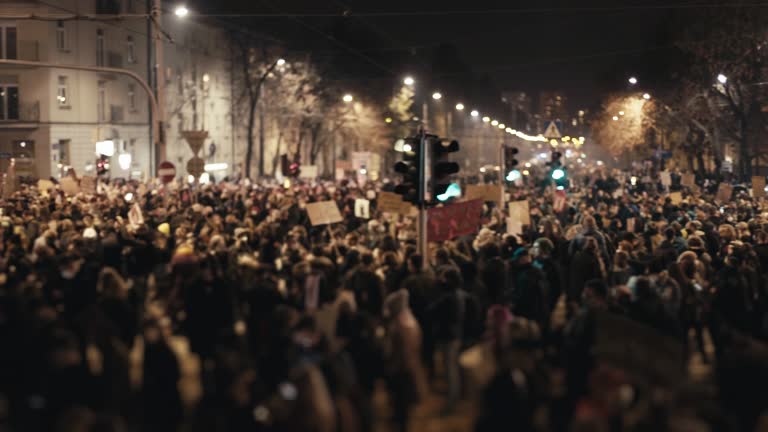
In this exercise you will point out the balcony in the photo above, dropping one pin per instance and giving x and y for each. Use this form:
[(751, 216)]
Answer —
[(28, 117)]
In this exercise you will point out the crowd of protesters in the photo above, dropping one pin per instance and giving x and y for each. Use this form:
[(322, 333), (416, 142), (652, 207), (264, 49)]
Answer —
[(296, 327)]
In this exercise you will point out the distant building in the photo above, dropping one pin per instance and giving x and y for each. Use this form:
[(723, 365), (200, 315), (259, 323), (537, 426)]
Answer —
[(52, 117), (520, 107), (553, 106)]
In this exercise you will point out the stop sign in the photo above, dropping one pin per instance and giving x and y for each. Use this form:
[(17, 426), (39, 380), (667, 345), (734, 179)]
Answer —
[(166, 171)]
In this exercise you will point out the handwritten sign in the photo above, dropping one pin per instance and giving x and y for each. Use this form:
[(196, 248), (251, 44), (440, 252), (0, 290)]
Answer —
[(676, 198), (688, 180), (666, 179), (514, 227), (393, 203), (758, 187), (135, 216), (519, 211), (323, 213), (308, 171), (631, 225), (88, 185), (724, 192), (492, 193), (44, 186), (69, 186), (445, 223), (362, 208)]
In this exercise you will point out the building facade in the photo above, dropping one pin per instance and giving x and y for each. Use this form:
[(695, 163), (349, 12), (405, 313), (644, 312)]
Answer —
[(51, 117)]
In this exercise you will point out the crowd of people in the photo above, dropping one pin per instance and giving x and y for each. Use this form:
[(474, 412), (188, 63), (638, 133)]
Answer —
[(297, 327)]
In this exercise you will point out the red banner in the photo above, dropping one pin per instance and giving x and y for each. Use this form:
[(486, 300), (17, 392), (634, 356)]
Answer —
[(445, 223)]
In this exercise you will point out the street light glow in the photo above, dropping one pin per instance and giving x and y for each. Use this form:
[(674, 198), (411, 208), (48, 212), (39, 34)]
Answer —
[(502, 126), (280, 62), (621, 113), (646, 96), (181, 11), (409, 81), (348, 98), (495, 122), (388, 120), (460, 106), (632, 80), (615, 118), (437, 96), (722, 79), (474, 113), (486, 119)]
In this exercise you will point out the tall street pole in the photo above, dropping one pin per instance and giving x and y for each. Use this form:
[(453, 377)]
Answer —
[(159, 83)]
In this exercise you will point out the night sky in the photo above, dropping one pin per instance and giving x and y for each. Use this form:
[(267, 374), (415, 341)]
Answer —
[(585, 49)]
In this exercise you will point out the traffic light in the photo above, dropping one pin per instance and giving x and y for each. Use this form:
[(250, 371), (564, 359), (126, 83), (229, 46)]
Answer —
[(288, 168), (510, 163), (442, 168), (558, 172), (102, 165), (409, 169)]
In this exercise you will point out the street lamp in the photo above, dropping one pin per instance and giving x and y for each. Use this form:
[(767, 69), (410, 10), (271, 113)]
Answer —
[(181, 11), (621, 113), (722, 79), (409, 81), (437, 96), (502, 126), (280, 62), (459, 106), (486, 119), (347, 98), (646, 96), (632, 80), (494, 123), (474, 113)]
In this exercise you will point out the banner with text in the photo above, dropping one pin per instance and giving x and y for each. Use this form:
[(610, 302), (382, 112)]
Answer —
[(445, 223)]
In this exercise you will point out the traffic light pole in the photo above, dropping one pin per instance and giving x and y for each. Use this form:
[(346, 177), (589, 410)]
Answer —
[(422, 219), (502, 164)]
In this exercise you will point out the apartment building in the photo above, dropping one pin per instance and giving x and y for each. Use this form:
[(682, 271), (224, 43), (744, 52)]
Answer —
[(51, 117)]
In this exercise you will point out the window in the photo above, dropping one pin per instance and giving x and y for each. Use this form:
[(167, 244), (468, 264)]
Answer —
[(61, 36), (64, 152), (62, 94), (131, 50), (101, 102), (99, 47), (131, 97), (9, 102), (8, 42)]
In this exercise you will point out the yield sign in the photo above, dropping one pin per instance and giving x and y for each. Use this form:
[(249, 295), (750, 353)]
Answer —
[(552, 131)]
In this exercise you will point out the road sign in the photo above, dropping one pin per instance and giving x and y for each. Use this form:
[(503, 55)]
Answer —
[(196, 167), (195, 139), (166, 171), (552, 131)]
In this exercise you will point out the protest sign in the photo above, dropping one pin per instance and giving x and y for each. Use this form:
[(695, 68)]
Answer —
[(44, 186), (724, 192), (666, 179), (88, 185), (676, 198), (393, 203), (641, 351), (758, 186), (445, 223), (631, 225), (519, 211), (308, 171), (69, 185), (514, 227), (323, 213), (493, 193), (362, 208), (688, 180)]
